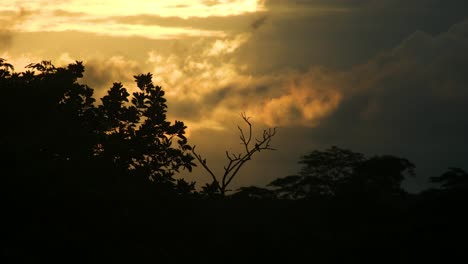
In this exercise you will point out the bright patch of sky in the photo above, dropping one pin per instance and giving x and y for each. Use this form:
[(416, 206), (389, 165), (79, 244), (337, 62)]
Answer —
[(178, 8), (98, 16)]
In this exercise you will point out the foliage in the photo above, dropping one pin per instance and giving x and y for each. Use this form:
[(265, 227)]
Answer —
[(321, 175), (379, 176), (453, 179), (138, 138), (57, 140), (254, 192), (337, 171)]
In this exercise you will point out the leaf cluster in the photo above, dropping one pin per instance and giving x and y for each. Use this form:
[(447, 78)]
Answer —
[(57, 139)]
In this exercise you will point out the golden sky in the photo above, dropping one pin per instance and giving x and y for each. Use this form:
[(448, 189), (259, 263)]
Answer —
[(99, 17)]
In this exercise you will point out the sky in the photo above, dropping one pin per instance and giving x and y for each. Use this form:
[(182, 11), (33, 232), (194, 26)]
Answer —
[(374, 76)]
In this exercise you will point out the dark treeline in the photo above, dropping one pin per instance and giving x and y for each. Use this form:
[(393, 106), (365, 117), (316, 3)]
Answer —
[(87, 179)]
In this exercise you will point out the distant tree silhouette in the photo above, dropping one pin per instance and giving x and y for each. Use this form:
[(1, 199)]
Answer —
[(253, 192), (337, 171), (453, 179), (451, 185), (321, 175), (379, 176), (5, 68), (236, 161), (57, 140)]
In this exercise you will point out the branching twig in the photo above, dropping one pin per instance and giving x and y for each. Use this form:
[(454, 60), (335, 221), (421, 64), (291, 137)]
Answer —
[(236, 161), (203, 163)]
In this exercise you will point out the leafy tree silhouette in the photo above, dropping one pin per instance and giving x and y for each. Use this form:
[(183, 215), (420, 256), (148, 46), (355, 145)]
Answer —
[(57, 140), (5, 68), (337, 172), (138, 139), (321, 175), (455, 179), (219, 186), (254, 192), (49, 116), (379, 176)]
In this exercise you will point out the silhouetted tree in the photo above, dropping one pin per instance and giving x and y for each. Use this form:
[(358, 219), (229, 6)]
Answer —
[(455, 179), (322, 174), (337, 171), (5, 68), (254, 192), (211, 190), (49, 130), (236, 161), (56, 139), (379, 176), (137, 138)]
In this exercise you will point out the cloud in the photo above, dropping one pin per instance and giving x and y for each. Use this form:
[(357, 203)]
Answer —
[(341, 34), (135, 19), (226, 46), (257, 23), (65, 13), (231, 24), (306, 100), (101, 74), (408, 101), (107, 27), (6, 39), (179, 8), (207, 88), (9, 21)]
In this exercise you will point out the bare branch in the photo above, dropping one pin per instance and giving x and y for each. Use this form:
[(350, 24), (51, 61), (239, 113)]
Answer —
[(236, 161), (203, 163)]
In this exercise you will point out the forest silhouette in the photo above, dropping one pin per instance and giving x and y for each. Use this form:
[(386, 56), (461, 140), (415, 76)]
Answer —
[(91, 179)]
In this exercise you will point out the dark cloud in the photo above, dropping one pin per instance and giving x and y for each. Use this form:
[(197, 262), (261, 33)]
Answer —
[(101, 74), (237, 97), (320, 4), (234, 23), (6, 38), (341, 34), (257, 23), (82, 45), (64, 13), (8, 20), (410, 102), (210, 2)]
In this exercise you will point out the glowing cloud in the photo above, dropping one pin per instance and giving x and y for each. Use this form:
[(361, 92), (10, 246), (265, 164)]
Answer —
[(98, 16), (177, 8)]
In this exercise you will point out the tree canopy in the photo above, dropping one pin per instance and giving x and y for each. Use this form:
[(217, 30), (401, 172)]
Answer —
[(57, 139), (335, 171)]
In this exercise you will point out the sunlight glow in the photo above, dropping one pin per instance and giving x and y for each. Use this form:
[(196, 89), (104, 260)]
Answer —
[(99, 17), (175, 8), (114, 29)]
